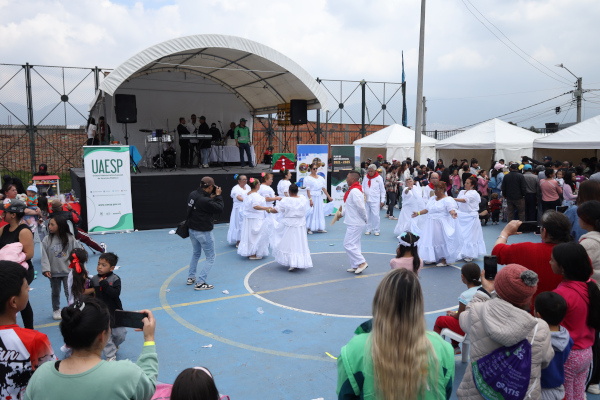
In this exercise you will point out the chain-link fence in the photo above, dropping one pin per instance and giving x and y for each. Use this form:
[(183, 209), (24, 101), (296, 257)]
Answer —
[(43, 113)]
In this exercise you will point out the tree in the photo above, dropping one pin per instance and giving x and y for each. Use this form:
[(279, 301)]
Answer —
[(533, 129)]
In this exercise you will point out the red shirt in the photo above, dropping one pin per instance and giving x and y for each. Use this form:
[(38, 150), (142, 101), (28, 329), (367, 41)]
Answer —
[(578, 304), (533, 256), (22, 351), (495, 205)]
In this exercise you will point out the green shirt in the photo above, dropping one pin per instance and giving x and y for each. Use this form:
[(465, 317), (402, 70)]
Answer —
[(242, 135), (355, 375), (113, 380)]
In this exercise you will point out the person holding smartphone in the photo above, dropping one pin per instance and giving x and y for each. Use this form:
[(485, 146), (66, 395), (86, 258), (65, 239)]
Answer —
[(203, 204), (555, 228)]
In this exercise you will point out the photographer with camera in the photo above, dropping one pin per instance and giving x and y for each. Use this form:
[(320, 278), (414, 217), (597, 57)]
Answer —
[(203, 204)]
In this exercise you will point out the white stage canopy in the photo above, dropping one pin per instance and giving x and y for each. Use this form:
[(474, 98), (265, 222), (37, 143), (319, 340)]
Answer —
[(395, 142), (488, 141), (221, 77), (571, 144)]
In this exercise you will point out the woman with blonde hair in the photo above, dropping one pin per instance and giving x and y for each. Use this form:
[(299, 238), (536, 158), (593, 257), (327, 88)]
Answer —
[(393, 356)]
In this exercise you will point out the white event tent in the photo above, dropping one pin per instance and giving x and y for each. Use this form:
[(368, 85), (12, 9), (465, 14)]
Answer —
[(395, 142), (222, 77), (488, 141), (573, 143)]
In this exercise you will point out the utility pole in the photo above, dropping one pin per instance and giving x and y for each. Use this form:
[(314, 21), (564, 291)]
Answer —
[(578, 93), (420, 86), (424, 115)]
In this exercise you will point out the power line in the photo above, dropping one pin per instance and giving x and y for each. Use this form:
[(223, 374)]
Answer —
[(495, 95), (507, 38), (512, 112), (510, 48)]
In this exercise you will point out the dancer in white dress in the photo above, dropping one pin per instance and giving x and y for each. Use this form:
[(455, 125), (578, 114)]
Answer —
[(315, 188), (440, 237), (284, 184), (238, 193), (254, 242), (412, 201), (468, 220), (290, 244), (428, 190), (265, 189), (355, 218), (374, 190)]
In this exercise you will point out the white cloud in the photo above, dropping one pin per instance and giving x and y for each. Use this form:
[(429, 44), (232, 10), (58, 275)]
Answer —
[(463, 58)]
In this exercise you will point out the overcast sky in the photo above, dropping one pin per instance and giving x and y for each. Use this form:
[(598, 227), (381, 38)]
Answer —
[(470, 75)]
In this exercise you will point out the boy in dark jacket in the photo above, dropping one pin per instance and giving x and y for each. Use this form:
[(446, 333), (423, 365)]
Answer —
[(107, 287), (552, 308)]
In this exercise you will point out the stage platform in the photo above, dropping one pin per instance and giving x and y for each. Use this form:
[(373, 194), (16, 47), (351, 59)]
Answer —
[(159, 197)]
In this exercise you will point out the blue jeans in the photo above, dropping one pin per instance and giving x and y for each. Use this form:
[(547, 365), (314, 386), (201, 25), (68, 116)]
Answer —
[(205, 155), (201, 240), (245, 147)]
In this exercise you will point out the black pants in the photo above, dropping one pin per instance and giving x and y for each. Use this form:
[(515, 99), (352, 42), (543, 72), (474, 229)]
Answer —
[(391, 203), (530, 207), (185, 151), (496, 216), (27, 312), (550, 205), (594, 373)]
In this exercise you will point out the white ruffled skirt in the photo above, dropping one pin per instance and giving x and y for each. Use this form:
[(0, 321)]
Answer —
[(315, 218), (472, 236), (439, 238), (234, 234), (255, 237), (290, 246)]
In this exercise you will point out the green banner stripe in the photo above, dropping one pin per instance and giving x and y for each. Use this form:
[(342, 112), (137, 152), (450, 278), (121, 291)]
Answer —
[(113, 149), (125, 223)]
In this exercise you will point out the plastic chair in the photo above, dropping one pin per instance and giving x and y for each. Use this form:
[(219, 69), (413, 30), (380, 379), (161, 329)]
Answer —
[(466, 344)]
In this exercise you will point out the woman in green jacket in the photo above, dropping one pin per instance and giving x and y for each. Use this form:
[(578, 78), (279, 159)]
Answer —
[(393, 356)]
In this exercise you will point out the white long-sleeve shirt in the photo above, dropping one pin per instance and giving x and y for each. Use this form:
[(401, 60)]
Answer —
[(375, 193), (353, 210)]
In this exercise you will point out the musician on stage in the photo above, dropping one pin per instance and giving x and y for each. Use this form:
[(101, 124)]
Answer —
[(184, 144), (215, 132), (192, 128), (203, 129)]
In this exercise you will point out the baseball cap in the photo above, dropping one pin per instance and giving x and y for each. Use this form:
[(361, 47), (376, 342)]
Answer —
[(206, 182), (14, 206), (32, 188), (379, 156), (540, 168), (203, 117), (547, 158), (527, 167), (514, 166), (242, 119)]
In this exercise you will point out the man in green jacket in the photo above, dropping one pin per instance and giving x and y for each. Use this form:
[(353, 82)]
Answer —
[(242, 141)]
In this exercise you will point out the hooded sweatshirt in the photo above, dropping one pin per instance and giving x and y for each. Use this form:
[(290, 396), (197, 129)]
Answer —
[(55, 257), (492, 323), (578, 303), (553, 377), (591, 242)]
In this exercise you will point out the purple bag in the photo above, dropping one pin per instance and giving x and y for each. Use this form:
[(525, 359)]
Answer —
[(504, 373)]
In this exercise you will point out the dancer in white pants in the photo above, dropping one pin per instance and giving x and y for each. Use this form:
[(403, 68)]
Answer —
[(355, 218), (238, 193), (374, 190)]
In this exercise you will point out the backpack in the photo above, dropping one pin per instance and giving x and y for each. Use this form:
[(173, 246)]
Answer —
[(492, 184), (504, 374)]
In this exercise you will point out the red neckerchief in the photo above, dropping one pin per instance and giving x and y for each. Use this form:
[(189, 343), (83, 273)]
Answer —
[(375, 175), (430, 185), (355, 185)]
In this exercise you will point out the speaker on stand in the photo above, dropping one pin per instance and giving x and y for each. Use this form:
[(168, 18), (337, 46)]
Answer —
[(126, 113)]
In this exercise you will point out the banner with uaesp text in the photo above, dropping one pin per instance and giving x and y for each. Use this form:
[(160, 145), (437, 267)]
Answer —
[(108, 188)]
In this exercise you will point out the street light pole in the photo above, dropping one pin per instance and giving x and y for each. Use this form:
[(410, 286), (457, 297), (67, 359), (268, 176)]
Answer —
[(578, 93)]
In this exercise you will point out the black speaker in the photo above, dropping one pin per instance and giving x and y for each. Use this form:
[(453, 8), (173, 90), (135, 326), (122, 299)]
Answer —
[(298, 112), (125, 109)]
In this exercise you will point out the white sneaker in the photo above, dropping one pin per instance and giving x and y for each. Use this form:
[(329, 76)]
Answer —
[(361, 268), (468, 259), (309, 232), (292, 268), (206, 166), (376, 233), (56, 315), (593, 389), (393, 218), (367, 233), (104, 247), (441, 264), (353, 270), (255, 258)]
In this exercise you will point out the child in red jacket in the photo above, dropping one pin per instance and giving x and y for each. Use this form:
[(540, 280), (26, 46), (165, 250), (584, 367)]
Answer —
[(495, 206)]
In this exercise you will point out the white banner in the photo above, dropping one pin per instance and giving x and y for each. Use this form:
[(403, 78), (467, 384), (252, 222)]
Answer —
[(108, 188)]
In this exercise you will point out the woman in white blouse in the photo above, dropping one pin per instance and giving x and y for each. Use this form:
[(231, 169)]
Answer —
[(468, 221)]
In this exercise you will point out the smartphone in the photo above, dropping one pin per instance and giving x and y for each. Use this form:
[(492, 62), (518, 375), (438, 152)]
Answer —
[(490, 267), (561, 209), (129, 319), (528, 226)]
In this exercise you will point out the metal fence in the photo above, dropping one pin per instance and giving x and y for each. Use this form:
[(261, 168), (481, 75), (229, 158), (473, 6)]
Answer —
[(43, 112)]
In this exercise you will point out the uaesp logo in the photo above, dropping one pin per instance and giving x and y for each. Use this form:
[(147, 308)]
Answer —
[(106, 166)]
